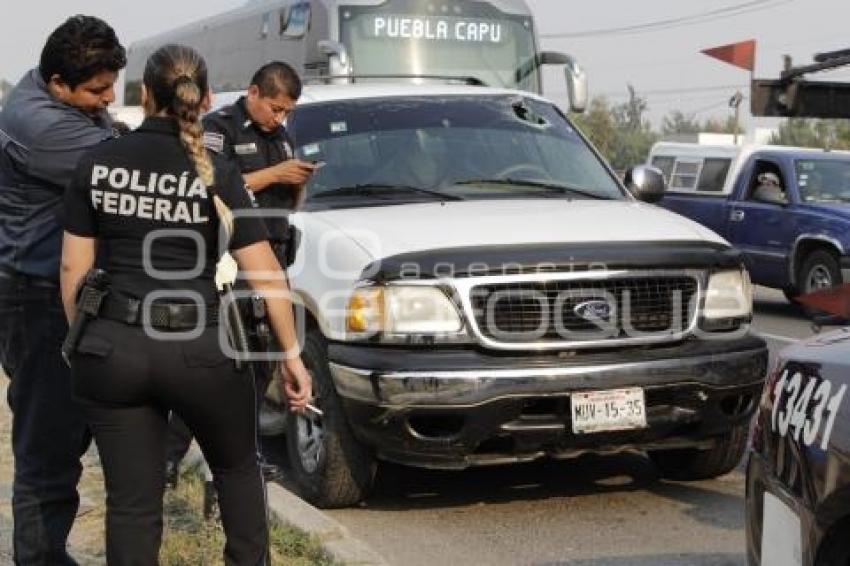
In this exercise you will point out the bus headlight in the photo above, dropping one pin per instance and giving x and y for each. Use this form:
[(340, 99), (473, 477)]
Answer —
[(403, 311), (729, 295)]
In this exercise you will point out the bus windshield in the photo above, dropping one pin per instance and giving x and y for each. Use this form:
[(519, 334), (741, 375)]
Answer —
[(470, 39)]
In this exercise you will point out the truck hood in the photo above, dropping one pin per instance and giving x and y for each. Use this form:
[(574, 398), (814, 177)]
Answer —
[(390, 230)]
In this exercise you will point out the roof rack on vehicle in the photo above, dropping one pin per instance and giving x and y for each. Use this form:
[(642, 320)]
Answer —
[(325, 79), (823, 62), (794, 95)]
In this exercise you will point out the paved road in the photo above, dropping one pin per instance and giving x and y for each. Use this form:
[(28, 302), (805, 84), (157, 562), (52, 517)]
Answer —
[(591, 511)]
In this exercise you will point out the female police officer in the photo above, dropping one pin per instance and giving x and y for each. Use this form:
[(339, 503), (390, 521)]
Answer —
[(149, 205)]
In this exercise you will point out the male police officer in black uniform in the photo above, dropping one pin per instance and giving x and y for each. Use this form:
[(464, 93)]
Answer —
[(55, 114), (251, 134)]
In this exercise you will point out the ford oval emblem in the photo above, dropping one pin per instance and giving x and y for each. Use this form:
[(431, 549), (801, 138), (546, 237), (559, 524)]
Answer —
[(592, 311)]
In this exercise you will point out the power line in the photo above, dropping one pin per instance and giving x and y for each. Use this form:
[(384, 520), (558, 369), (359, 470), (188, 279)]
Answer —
[(724, 103), (681, 90), (690, 60), (668, 23)]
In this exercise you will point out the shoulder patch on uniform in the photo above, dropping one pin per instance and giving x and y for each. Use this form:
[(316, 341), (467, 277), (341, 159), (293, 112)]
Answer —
[(214, 141)]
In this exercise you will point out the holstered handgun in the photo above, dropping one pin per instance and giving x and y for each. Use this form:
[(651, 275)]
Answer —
[(90, 298), (236, 328)]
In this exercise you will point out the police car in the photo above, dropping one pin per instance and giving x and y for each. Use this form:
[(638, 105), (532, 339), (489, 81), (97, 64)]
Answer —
[(477, 287), (798, 477)]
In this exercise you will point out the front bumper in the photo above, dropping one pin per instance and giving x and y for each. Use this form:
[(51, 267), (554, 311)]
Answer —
[(454, 408)]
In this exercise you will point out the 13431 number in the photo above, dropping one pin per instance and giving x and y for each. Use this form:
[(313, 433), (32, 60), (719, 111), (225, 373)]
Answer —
[(803, 407)]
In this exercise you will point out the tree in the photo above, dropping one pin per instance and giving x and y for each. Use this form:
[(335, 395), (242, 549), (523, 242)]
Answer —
[(630, 114), (827, 134), (621, 132), (718, 126), (598, 125), (5, 89), (677, 122)]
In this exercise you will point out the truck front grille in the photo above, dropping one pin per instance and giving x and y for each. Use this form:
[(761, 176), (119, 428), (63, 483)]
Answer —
[(599, 310)]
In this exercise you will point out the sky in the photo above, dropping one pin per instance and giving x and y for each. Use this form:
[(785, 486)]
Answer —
[(662, 62)]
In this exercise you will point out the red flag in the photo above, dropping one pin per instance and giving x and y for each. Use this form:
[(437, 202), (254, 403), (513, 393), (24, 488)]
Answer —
[(742, 54), (835, 301)]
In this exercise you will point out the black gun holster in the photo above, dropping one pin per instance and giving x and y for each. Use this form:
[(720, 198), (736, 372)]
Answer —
[(90, 297)]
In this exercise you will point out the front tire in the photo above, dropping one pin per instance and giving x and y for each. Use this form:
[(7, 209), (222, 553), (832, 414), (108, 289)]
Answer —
[(690, 464), (819, 270), (835, 548), (330, 467)]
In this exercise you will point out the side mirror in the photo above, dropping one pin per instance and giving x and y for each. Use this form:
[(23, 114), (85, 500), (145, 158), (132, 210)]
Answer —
[(575, 75), (645, 183), (576, 86), (339, 63)]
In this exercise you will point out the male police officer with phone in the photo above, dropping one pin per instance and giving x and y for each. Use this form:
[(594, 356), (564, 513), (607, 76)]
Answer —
[(251, 133)]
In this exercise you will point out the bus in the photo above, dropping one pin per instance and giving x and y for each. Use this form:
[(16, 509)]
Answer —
[(491, 42)]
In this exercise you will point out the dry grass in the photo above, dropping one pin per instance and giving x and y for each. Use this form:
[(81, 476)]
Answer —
[(189, 540)]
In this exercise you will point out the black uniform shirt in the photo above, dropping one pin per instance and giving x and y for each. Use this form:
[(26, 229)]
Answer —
[(141, 191), (231, 133)]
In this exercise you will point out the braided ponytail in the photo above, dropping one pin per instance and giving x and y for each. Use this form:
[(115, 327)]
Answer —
[(176, 76)]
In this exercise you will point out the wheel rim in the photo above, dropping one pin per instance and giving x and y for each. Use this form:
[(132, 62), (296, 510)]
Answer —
[(819, 278), (310, 437), (310, 433)]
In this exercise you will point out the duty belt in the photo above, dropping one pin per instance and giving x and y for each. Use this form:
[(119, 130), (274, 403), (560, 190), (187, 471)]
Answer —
[(162, 316)]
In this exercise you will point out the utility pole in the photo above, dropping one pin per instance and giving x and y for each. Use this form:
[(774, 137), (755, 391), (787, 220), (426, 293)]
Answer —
[(743, 56), (735, 102)]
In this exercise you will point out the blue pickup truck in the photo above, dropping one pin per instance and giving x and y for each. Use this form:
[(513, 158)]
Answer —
[(787, 209)]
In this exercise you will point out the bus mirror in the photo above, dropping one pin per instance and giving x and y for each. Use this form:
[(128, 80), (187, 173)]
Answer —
[(576, 77), (339, 64), (576, 86)]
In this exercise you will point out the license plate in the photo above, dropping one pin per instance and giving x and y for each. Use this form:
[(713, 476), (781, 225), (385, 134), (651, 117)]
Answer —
[(601, 411)]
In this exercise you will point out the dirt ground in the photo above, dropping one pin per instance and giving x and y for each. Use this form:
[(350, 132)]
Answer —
[(188, 539), (87, 539)]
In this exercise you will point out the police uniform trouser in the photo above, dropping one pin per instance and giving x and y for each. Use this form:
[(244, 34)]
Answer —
[(49, 433), (128, 382)]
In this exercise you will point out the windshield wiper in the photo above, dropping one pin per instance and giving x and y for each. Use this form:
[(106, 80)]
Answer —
[(379, 190), (564, 189)]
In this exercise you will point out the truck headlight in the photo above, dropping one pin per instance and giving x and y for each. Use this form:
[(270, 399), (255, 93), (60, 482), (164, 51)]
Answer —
[(729, 295), (402, 310)]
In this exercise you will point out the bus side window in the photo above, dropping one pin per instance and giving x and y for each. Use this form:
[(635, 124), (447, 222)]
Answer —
[(295, 20)]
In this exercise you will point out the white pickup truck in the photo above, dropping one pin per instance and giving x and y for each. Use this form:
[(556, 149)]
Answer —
[(479, 288)]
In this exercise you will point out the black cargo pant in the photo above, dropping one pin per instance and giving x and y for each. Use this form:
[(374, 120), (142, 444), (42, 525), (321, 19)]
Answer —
[(128, 383), (49, 434)]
